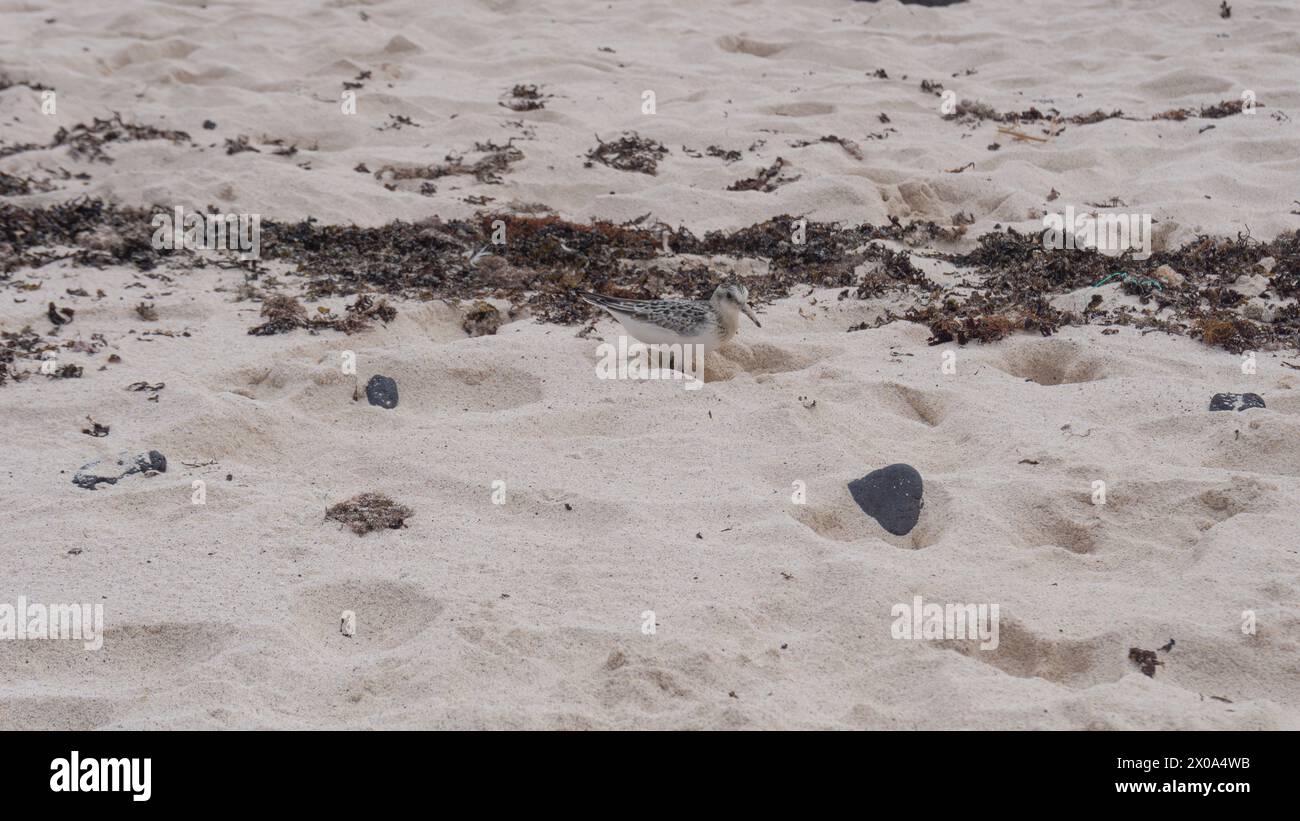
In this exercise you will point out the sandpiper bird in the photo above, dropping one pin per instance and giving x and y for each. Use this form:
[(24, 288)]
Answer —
[(680, 321)]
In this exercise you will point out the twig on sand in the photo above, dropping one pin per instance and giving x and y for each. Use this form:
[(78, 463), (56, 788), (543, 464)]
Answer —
[(1020, 135)]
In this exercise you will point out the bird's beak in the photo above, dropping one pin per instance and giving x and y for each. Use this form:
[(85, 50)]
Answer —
[(749, 312)]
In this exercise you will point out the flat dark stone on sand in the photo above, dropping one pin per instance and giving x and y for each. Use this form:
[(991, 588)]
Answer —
[(1235, 401), (106, 471), (891, 496), (381, 391)]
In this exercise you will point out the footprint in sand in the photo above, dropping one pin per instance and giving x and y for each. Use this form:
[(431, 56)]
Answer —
[(1023, 653), (1055, 362), (387, 614)]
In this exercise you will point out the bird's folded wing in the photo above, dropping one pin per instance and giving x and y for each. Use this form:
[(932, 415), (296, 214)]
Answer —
[(633, 307)]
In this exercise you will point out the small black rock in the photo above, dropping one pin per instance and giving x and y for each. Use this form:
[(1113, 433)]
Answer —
[(102, 471), (1235, 401), (381, 391), (891, 496)]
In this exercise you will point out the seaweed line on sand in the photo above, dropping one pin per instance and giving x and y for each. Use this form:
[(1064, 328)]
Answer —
[(1007, 278)]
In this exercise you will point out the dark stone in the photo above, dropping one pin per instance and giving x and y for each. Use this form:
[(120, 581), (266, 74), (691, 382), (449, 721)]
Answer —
[(103, 471), (381, 391), (1235, 401), (891, 496)]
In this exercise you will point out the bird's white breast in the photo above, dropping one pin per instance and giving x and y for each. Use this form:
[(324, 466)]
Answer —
[(652, 334)]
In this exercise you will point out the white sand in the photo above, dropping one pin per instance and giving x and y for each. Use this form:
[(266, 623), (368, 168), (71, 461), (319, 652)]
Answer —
[(769, 614)]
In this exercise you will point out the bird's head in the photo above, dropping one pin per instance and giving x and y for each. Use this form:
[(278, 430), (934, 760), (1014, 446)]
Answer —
[(733, 298)]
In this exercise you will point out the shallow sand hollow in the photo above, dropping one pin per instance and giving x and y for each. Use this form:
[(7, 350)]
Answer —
[(626, 498)]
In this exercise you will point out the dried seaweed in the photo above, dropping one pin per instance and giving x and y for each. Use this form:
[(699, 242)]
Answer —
[(12, 185), (96, 429), (86, 142), (67, 371), (488, 169), (395, 123), (631, 152), (765, 179), (482, 319), (851, 148), (103, 234), (282, 313), (1010, 279), (971, 112), (1146, 660), (365, 309), (239, 145), (368, 512), (525, 98), (285, 313), (15, 345), (59, 316)]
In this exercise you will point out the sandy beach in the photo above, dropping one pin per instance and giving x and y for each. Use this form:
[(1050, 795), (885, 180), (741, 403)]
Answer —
[(587, 553)]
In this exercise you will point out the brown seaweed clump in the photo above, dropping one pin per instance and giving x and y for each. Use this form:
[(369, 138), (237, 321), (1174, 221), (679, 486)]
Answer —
[(15, 345), (482, 319), (631, 152), (15, 186), (1218, 111), (766, 180), (366, 512), (980, 327), (101, 234), (67, 371), (525, 98), (726, 154), (88, 141), (1227, 331), (358, 315), (285, 313), (496, 160), (1146, 660), (971, 112), (850, 147)]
